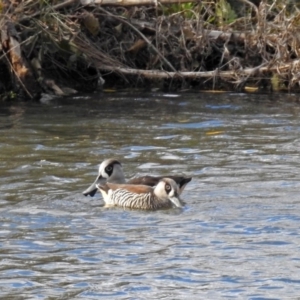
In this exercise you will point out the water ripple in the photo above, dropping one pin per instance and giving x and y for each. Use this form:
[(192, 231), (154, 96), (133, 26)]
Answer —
[(237, 237)]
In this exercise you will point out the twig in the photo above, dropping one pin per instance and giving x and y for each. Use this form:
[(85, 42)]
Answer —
[(143, 37), (54, 7), (251, 4)]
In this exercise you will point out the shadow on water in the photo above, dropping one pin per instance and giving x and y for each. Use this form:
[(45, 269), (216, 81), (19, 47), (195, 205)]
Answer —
[(237, 236)]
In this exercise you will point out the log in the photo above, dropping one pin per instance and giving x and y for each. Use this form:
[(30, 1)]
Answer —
[(156, 74), (133, 2)]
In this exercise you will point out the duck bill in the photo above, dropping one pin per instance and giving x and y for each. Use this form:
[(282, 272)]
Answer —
[(176, 201), (92, 189)]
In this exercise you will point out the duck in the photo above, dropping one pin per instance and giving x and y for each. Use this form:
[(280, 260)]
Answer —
[(111, 171), (163, 196)]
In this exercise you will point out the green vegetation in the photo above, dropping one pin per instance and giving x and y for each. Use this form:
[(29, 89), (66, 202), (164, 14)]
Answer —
[(224, 13)]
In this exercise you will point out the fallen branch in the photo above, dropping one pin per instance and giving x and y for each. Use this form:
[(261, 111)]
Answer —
[(133, 2), (155, 74)]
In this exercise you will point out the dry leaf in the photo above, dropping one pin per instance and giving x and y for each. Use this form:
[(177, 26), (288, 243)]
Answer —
[(137, 46), (91, 23)]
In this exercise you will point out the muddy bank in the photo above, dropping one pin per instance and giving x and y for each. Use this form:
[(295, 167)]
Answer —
[(65, 47)]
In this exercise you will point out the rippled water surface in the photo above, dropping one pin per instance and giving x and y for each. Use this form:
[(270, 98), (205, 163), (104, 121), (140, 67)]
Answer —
[(236, 238)]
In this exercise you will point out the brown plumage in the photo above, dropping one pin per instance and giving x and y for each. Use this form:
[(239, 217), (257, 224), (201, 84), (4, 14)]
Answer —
[(164, 195), (111, 171), (181, 181)]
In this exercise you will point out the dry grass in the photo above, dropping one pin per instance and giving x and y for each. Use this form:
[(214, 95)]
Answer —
[(183, 46)]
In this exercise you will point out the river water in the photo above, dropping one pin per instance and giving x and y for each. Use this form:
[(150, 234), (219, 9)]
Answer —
[(236, 238)]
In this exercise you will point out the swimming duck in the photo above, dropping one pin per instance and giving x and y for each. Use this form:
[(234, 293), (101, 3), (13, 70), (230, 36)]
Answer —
[(164, 195), (111, 171)]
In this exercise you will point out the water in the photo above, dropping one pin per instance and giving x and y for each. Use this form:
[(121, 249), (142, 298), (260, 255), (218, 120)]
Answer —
[(236, 238)]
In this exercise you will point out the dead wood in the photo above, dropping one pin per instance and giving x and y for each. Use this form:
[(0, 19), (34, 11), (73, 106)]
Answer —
[(133, 2), (24, 82), (81, 44)]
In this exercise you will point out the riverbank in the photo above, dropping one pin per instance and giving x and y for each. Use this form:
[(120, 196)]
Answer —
[(61, 48)]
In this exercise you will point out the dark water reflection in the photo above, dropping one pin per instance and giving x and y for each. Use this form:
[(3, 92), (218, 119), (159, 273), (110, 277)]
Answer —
[(237, 237)]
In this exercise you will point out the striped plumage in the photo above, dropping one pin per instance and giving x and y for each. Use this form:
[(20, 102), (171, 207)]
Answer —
[(111, 171), (164, 195)]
